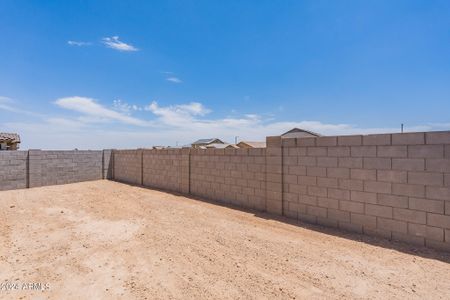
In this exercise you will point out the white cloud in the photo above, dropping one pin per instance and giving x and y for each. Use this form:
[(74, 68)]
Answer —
[(10, 105), (174, 79), (115, 43), (96, 126), (94, 111), (78, 43)]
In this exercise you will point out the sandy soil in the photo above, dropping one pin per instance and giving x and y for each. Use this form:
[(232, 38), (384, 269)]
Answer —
[(108, 240)]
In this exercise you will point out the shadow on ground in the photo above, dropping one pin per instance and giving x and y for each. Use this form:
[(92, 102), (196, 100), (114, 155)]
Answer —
[(395, 245)]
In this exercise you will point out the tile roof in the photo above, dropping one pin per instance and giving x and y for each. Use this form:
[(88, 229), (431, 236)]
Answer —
[(10, 137)]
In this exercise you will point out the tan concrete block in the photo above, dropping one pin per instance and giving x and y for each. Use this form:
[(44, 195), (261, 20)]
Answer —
[(339, 151), (351, 184), (426, 151), (392, 225), (309, 200), (416, 138), (447, 151), (408, 190), (350, 162), (392, 176), (339, 194), (377, 163), (392, 151), (356, 228), (307, 180), (447, 207), (327, 202), (409, 239), (327, 161), (447, 180), (277, 152), (437, 165), (447, 235), (307, 161), (317, 191), (326, 141), (433, 233), (378, 187), (290, 178), (316, 171), (289, 142), (327, 182), (428, 205), (316, 151), (273, 141), (343, 173), (297, 170), (274, 169), (438, 137), (298, 151), (338, 215), (306, 142), (363, 174), (408, 164), (409, 215), (364, 220), (290, 160), (364, 151), (438, 193), (426, 178), (363, 197), (316, 211), (351, 206), (274, 207), (377, 139), (392, 200), (303, 217), (378, 210), (297, 188), (437, 220), (350, 140)]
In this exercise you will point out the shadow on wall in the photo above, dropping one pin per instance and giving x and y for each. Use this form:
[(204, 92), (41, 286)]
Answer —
[(392, 244)]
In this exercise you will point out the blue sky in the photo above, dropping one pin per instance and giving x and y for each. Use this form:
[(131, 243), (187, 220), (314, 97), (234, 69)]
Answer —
[(115, 74)]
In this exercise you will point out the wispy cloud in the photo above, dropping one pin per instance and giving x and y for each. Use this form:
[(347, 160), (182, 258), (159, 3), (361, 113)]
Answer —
[(10, 105), (78, 43), (91, 126), (114, 43), (96, 112), (174, 79)]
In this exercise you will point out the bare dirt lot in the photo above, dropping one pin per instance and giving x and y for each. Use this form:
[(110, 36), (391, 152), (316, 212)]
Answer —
[(108, 240)]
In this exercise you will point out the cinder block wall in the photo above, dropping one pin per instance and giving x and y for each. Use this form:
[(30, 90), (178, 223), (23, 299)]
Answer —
[(13, 170), (162, 169), (61, 167), (127, 166), (34, 168), (235, 176), (393, 185)]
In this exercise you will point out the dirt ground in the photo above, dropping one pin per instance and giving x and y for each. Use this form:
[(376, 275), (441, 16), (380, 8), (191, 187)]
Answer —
[(106, 240)]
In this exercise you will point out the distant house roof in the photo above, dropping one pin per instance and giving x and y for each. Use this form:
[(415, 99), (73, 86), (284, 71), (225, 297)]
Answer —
[(9, 137), (220, 146), (252, 144), (207, 141), (299, 133)]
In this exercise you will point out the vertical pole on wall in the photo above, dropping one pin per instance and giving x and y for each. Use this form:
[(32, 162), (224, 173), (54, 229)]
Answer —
[(274, 175), (142, 167), (28, 170)]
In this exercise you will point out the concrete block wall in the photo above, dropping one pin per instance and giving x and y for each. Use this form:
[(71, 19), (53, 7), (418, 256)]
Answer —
[(61, 167), (162, 169), (236, 176), (127, 166), (393, 185), (35, 168), (13, 170)]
